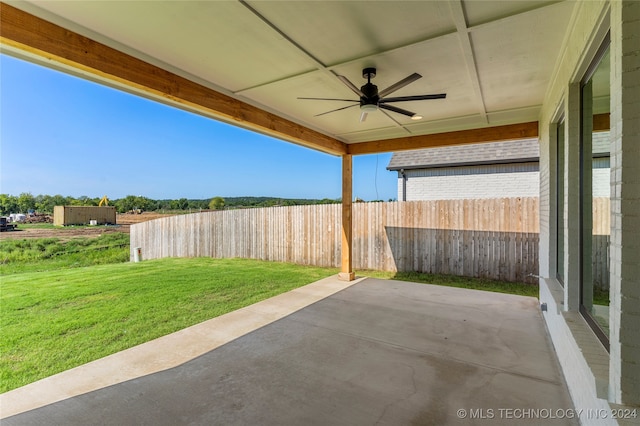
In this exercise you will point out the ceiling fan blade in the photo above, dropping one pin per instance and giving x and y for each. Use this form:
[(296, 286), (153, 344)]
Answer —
[(363, 117), (334, 110), (414, 98), (392, 119), (399, 85), (396, 109), (350, 85), (329, 99)]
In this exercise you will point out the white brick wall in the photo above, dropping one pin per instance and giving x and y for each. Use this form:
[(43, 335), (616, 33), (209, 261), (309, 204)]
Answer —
[(589, 26), (601, 182), (624, 366), (452, 184), (455, 183), (547, 194), (570, 347)]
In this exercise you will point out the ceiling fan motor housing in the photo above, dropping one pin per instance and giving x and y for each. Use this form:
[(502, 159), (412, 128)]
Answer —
[(369, 102), (370, 97)]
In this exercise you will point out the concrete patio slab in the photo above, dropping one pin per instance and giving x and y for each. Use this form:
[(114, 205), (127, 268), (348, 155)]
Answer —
[(165, 352), (377, 352)]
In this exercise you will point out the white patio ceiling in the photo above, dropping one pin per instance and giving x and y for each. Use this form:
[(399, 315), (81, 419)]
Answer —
[(494, 59)]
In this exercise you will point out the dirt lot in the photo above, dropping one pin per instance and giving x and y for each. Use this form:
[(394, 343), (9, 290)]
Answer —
[(124, 221)]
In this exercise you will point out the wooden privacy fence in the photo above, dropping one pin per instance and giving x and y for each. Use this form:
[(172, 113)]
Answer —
[(494, 238), (308, 235)]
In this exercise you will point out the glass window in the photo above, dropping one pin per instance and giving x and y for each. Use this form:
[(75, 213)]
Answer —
[(595, 196)]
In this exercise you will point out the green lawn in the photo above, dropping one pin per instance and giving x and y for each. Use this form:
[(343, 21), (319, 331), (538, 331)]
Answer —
[(37, 226), (56, 320), (49, 254), (63, 304)]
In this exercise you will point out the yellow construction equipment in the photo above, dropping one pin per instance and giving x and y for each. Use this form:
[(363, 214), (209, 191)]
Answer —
[(104, 201)]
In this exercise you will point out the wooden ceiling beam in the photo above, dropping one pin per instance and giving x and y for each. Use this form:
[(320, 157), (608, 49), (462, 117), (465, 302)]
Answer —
[(461, 137), (28, 33), (601, 122)]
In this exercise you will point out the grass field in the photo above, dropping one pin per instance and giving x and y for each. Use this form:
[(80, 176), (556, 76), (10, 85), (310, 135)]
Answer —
[(65, 303), (56, 320), (48, 254), (37, 226)]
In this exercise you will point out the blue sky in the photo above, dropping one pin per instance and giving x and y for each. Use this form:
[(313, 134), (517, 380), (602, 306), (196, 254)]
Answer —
[(64, 135)]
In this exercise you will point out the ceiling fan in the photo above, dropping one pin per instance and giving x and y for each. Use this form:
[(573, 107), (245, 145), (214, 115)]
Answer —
[(371, 100)]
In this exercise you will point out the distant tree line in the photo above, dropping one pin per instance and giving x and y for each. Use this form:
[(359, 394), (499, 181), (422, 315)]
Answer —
[(26, 202)]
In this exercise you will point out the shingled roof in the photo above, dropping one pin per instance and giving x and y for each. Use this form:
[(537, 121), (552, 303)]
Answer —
[(519, 151)]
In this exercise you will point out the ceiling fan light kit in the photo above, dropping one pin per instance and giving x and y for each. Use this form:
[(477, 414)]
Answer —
[(371, 100), (368, 107)]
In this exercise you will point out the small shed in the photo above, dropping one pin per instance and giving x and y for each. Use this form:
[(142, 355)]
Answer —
[(83, 215)]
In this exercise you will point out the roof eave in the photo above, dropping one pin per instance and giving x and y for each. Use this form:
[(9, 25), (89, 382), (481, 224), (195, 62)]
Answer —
[(465, 164)]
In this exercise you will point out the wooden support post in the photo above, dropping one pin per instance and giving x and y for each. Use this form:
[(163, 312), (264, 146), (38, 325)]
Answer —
[(346, 272)]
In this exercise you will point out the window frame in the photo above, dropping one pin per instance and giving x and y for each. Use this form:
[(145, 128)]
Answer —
[(588, 317)]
